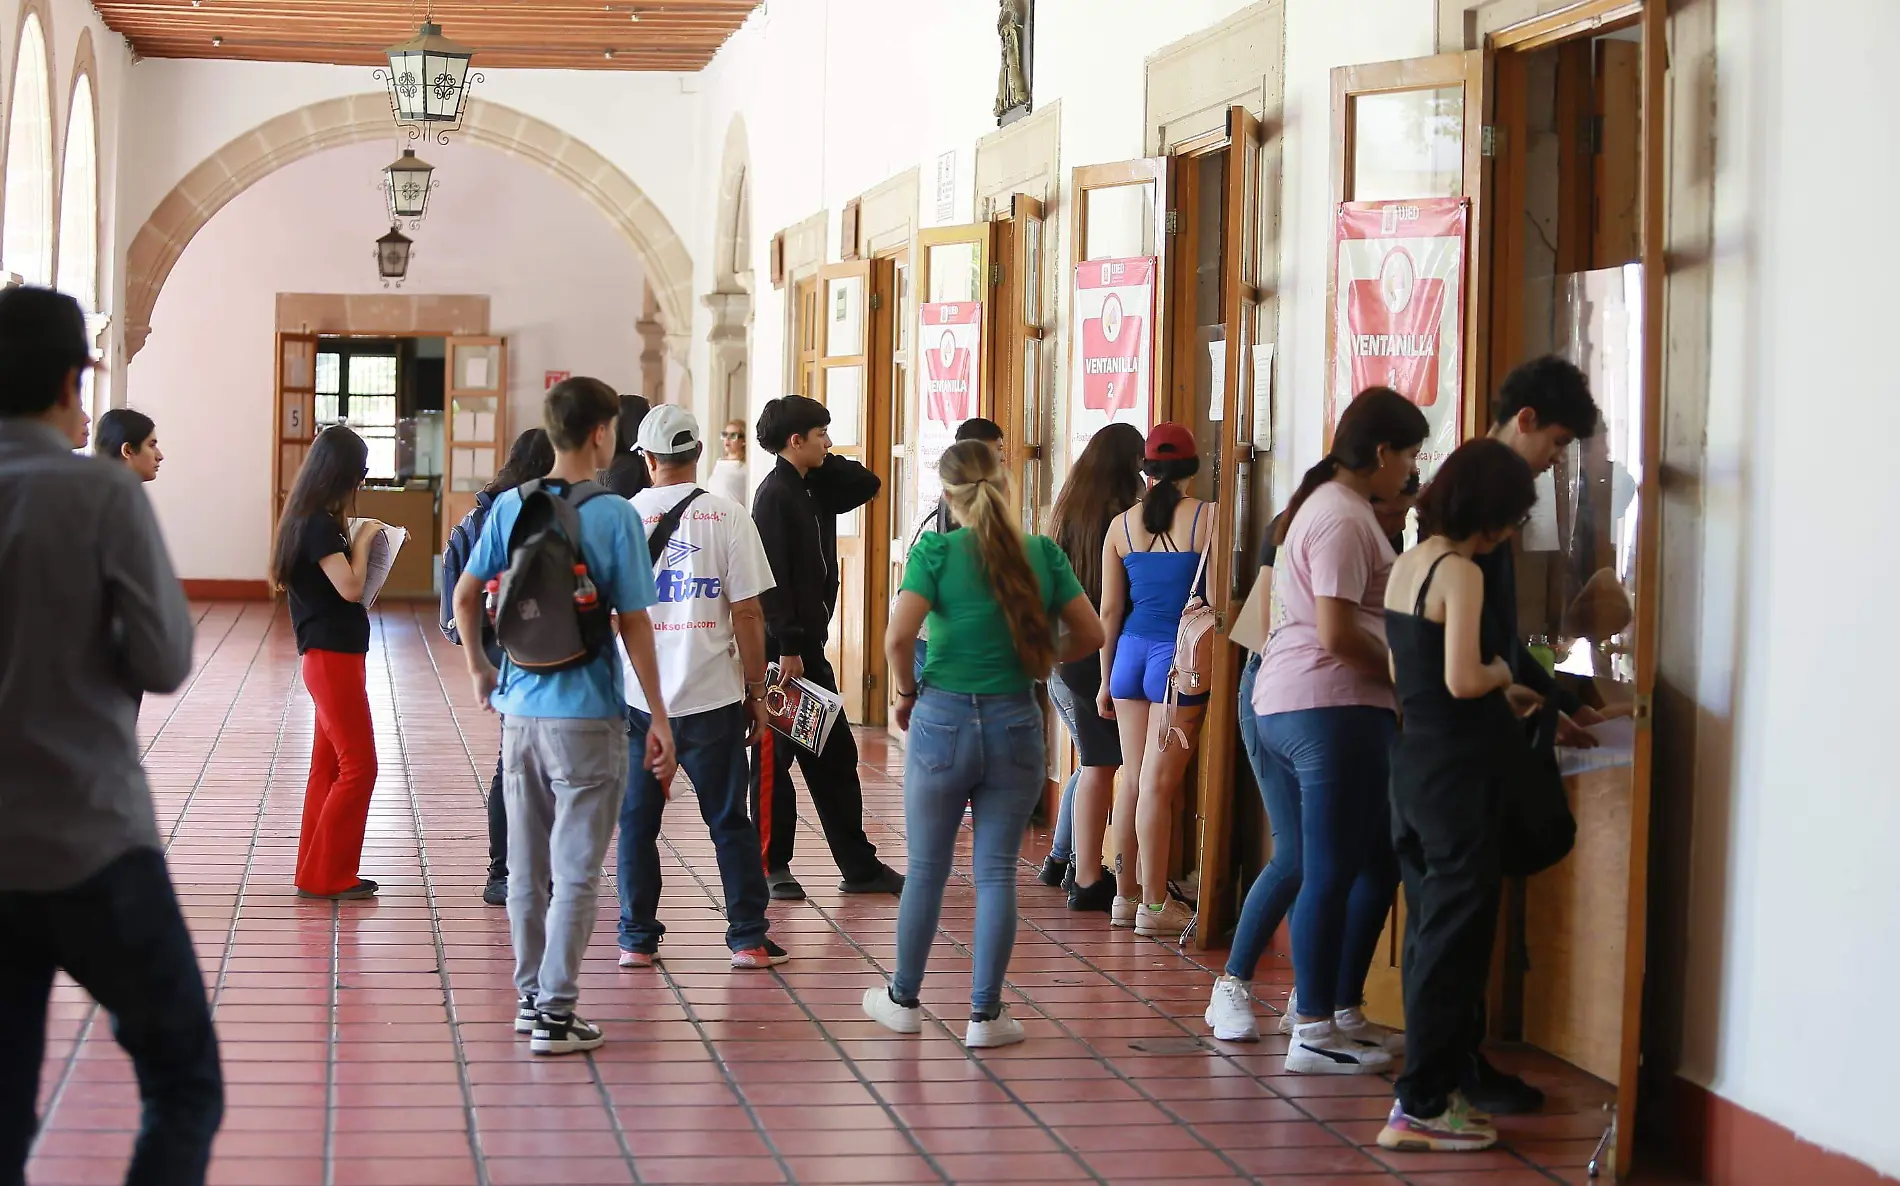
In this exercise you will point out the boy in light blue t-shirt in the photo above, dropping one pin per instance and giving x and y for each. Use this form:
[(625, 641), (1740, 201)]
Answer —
[(564, 750)]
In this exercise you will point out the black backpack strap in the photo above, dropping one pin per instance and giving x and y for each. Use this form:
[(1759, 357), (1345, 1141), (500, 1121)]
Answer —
[(583, 492), (668, 524)]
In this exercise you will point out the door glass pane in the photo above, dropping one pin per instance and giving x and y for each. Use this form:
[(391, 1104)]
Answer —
[(844, 395), (1121, 221), (1408, 144), (476, 368), (298, 361), (953, 272), (1032, 272), (844, 315), (1032, 391)]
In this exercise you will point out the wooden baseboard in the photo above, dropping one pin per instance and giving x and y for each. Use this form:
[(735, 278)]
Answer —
[(223, 590), (1724, 1144)]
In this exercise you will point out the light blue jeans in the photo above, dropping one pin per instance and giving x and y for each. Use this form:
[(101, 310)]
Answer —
[(987, 752), (1273, 892)]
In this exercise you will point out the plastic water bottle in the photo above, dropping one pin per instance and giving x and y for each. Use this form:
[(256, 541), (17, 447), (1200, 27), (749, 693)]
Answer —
[(586, 597), (491, 600)]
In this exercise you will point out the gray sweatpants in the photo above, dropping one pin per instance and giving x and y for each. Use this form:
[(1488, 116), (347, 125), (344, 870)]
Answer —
[(562, 780)]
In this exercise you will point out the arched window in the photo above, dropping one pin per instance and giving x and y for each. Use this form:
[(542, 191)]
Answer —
[(26, 232), (79, 201)]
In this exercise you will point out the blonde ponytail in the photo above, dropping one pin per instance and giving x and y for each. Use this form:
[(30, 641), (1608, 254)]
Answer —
[(978, 489)]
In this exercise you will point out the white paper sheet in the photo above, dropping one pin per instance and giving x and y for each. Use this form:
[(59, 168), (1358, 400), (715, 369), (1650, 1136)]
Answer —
[(484, 427), (1616, 746), (475, 374), (1540, 534), (465, 426), (382, 556), (1263, 396), (1217, 386)]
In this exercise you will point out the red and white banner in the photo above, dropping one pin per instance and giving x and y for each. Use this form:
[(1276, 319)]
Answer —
[(550, 378), (1399, 313), (1111, 373), (950, 338)]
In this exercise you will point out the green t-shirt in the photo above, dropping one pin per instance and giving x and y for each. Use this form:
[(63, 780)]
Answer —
[(970, 648)]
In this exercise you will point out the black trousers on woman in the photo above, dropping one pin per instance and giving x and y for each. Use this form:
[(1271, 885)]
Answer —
[(1445, 830)]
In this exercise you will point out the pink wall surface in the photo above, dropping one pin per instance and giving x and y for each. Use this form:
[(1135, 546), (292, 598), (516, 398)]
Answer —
[(564, 286)]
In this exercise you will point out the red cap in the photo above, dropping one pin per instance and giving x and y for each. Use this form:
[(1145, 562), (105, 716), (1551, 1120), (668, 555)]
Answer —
[(1168, 441)]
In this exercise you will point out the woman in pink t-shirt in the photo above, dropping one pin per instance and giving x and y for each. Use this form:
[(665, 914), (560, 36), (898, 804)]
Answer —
[(1326, 717)]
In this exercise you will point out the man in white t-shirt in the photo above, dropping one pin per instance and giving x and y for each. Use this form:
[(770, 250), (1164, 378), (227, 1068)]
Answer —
[(709, 636)]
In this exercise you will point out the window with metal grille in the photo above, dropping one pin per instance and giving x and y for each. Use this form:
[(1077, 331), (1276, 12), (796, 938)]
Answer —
[(359, 390)]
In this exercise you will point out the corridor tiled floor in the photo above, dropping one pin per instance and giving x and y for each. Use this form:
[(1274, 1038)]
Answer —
[(369, 1043)]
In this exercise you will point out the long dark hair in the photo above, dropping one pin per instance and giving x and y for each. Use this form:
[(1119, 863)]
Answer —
[(530, 457), (336, 465), (977, 486), (1377, 416), (118, 428), (1104, 482), (626, 475), (1157, 510)]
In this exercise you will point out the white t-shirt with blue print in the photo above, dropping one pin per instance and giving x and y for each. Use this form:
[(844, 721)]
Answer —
[(615, 550), (714, 559)]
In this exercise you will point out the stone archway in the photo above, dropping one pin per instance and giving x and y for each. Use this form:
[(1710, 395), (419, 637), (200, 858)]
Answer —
[(730, 300), (352, 118)]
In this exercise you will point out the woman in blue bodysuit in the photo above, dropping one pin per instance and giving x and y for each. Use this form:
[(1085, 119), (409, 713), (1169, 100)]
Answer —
[(1148, 566)]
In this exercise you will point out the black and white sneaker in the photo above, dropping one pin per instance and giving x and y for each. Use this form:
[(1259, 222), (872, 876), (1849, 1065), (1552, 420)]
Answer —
[(1320, 1049), (525, 1015), (564, 1034)]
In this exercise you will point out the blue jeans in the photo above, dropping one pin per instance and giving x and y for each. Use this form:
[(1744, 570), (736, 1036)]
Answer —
[(1273, 892), (986, 751), (712, 751), (1338, 758), (920, 650), (1062, 847)]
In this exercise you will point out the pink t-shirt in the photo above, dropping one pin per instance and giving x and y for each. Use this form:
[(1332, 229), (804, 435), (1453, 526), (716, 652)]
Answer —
[(1334, 549)]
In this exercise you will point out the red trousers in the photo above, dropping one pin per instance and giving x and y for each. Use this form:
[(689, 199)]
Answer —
[(342, 774)]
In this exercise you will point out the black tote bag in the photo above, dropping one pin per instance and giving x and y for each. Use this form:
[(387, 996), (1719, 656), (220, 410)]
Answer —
[(1538, 829)]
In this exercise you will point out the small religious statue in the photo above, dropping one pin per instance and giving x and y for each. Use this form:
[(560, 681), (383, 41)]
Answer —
[(1012, 78)]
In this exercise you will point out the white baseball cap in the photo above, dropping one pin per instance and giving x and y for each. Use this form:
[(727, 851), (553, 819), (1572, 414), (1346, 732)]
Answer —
[(668, 429)]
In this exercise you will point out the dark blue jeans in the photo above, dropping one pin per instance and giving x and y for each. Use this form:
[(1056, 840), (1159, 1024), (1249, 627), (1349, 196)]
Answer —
[(1273, 892), (119, 933), (712, 751), (1338, 758)]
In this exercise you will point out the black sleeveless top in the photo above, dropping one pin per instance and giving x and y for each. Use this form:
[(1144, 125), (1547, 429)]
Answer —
[(1434, 722)]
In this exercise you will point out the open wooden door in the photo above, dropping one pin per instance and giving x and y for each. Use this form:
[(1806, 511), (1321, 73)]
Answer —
[(296, 413), (855, 299), (476, 435), (1018, 358), (1229, 567)]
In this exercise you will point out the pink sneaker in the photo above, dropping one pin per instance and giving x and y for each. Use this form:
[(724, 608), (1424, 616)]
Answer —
[(639, 959), (766, 955)]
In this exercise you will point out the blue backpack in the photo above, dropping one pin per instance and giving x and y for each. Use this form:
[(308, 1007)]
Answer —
[(455, 556)]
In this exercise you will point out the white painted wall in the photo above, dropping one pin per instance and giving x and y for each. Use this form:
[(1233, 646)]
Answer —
[(565, 290)]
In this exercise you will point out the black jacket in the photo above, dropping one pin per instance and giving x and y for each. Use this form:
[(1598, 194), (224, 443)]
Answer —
[(797, 520)]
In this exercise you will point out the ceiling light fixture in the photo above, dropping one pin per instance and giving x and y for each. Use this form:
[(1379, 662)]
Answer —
[(392, 257), (406, 183), (428, 80)]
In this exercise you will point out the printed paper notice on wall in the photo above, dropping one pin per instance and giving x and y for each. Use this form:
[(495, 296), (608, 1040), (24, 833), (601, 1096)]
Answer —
[(950, 336), (1217, 384), (1263, 396), (1111, 370), (1398, 321)]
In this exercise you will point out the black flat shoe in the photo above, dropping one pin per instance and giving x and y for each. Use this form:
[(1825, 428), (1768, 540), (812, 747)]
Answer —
[(1053, 872), (885, 881), (495, 893), (356, 893), (784, 887), (1097, 898), (1490, 1090)]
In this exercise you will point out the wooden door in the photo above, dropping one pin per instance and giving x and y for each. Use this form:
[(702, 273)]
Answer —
[(894, 322), (476, 435), (1230, 568), (805, 329), (296, 414), (1018, 361), (1121, 211), (1415, 129), (851, 383)]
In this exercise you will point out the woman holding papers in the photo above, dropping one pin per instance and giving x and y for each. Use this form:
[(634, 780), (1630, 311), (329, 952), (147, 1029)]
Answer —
[(321, 559), (994, 599)]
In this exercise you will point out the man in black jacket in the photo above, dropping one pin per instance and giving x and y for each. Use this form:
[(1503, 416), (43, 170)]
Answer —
[(796, 509)]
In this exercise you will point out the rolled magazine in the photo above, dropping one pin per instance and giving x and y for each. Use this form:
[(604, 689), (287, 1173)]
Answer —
[(801, 710)]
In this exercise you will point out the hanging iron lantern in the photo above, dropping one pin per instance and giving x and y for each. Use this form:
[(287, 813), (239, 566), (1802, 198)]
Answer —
[(392, 255), (427, 77), (406, 182)]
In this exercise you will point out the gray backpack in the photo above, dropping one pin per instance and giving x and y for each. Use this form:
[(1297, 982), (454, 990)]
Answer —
[(549, 616)]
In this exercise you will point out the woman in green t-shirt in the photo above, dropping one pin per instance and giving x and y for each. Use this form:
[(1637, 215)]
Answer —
[(976, 737)]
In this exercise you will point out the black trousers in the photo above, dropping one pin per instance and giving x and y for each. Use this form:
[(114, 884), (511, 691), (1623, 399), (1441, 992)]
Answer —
[(831, 778), (497, 828), (119, 934), (1446, 835)]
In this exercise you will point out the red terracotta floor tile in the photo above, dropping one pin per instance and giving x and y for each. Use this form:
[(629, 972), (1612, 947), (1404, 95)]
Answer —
[(364, 1042)]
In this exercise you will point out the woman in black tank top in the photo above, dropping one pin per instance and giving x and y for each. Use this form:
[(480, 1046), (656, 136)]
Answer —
[(1458, 709)]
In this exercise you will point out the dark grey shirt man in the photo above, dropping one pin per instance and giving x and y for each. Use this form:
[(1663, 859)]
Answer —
[(91, 616)]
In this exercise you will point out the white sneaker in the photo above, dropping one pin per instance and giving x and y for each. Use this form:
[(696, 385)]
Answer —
[(1167, 923), (1320, 1049), (1121, 913), (1352, 1023), (879, 1007), (1001, 1030), (1230, 1011)]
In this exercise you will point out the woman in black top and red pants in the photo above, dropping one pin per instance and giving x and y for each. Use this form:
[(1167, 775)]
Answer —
[(320, 560)]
